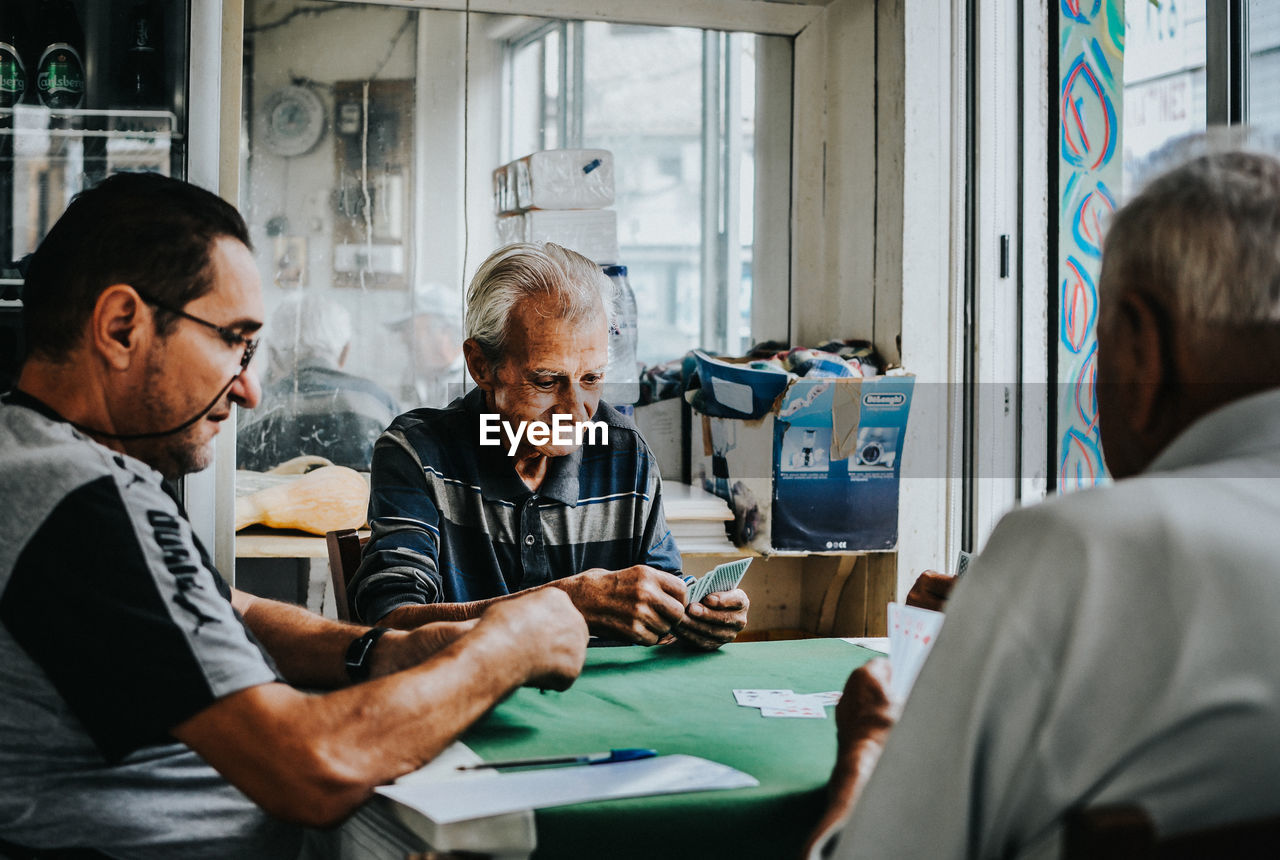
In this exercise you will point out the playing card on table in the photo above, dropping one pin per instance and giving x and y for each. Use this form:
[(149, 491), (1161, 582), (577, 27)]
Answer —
[(912, 632), (831, 698), (756, 698), (798, 706), (786, 703)]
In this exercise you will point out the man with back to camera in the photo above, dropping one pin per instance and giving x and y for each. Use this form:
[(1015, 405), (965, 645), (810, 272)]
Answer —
[(311, 405), (1114, 646), (458, 524), (139, 695)]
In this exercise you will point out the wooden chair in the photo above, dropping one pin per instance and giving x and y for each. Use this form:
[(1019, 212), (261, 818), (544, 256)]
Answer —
[(1126, 831), (345, 546)]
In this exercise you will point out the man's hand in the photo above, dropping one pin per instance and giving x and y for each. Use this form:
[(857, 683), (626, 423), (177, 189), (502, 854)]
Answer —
[(403, 649), (718, 619), (931, 590), (546, 632), (864, 718), (637, 604)]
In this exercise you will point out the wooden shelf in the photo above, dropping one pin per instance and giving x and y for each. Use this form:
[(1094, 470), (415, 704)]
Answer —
[(273, 543)]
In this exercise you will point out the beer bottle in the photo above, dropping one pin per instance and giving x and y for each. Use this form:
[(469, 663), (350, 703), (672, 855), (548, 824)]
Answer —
[(13, 41), (143, 84), (59, 73)]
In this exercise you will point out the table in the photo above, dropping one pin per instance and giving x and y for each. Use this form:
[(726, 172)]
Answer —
[(681, 702)]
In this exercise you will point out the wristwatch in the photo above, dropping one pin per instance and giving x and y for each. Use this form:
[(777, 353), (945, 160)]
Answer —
[(359, 651)]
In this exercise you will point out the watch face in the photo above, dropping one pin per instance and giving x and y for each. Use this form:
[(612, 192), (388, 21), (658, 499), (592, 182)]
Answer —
[(294, 120)]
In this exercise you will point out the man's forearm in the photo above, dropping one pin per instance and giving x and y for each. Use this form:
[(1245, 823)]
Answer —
[(309, 649), (313, 759), (415, 615), (864, 719)]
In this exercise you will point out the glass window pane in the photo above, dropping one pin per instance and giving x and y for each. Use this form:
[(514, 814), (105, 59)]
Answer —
[(740, 334), (1264, 63), (527, 101), (642, 101), (366, 184), (646, 99), (359, 323), (1164, 77)]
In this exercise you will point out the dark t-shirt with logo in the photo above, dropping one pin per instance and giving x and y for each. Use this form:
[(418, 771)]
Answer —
[(114, 628)]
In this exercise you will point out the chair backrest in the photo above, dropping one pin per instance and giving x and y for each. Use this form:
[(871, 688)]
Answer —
[(1126, 831), (344, 557)]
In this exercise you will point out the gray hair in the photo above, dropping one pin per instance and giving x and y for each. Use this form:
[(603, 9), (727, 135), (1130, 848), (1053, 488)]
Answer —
[(1204, 238), (577, 287), (308, 330)]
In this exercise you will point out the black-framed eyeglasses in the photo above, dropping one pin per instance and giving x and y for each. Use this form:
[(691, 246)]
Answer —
[(231, 338)]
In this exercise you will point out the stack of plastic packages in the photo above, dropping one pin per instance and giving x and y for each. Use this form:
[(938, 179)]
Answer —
[(561, 196)]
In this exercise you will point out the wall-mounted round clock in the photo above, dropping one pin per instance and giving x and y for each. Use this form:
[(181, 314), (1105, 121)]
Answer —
[(294, 120)]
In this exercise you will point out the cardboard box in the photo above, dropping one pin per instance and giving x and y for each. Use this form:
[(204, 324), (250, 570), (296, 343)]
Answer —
[(818, 472)]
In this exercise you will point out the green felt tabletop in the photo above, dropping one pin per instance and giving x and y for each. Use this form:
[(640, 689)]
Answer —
[(676, 701)]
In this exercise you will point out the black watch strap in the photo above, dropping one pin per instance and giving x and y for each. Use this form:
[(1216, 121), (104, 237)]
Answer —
[(359, 652)]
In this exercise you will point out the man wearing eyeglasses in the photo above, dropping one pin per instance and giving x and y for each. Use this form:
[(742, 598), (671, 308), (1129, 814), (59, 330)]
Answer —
[(146, 709)]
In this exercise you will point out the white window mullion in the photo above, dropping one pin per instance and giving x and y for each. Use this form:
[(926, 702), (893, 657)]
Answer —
[(732, 191), (712, 199)]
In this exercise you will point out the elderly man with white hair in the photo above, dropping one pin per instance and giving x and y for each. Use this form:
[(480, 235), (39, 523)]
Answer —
[(483, 499), (311, 406), (1114, 646)]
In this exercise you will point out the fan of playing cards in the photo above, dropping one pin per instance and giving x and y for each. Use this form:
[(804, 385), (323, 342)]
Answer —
[(722, 577), (912, 632)]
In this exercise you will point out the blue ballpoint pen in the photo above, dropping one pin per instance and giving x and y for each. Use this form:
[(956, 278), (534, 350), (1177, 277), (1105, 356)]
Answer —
[(585, 758)]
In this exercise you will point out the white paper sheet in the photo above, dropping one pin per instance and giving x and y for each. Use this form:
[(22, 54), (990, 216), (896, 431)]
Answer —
[(511, 833), (467, 797)]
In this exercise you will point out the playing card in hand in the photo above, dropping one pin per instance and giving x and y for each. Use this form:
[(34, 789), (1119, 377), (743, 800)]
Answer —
[(722, 577), (912, 632)]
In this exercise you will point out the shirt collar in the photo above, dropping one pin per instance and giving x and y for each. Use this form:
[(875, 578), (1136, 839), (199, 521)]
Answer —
[(17, 397), (1246, 426), (498, 478)]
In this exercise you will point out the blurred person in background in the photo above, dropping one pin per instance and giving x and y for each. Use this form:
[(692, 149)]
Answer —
[(312, 406), (431, 335)]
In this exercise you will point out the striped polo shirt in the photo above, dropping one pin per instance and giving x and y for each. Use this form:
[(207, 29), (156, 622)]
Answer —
[(452, 522)]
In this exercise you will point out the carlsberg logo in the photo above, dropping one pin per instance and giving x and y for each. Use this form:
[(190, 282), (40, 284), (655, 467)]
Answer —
[(56, 82), (562, 431)]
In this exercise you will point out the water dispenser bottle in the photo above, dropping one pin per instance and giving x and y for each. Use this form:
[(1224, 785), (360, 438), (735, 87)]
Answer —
[(622, 378)]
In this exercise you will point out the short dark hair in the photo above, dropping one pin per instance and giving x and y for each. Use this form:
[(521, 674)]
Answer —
[(142, 229)]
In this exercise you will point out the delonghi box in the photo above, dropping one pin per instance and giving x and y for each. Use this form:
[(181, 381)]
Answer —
[(818, 472)]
